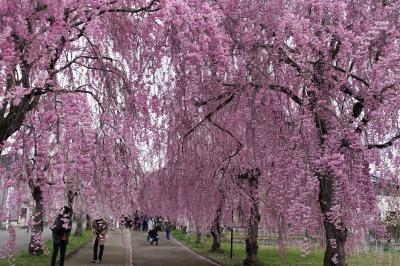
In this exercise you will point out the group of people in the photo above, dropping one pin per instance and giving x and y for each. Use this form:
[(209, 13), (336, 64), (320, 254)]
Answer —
[(150, 224), (154, 225), (61, 230), (63, 225)]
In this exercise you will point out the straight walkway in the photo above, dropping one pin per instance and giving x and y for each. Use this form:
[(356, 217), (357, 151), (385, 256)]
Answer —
[(116, 251), (167, 253)]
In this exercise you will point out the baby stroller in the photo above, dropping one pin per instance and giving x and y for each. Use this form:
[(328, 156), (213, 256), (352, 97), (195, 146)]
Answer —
[(153, 236)]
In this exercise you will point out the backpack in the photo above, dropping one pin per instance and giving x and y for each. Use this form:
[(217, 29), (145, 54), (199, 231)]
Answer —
[(57, 226), (100, 226)]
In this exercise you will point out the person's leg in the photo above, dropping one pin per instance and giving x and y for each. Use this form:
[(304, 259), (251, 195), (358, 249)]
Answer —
[(96, 244), (167, 234), (63, 248), (55, 253), (101, 252)]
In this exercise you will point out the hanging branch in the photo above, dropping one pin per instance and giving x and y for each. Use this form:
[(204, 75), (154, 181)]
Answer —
[(208, 116), (385, 144)]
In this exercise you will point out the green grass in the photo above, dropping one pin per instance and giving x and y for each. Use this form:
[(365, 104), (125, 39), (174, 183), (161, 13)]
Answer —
[(24, 259), (270, 256)]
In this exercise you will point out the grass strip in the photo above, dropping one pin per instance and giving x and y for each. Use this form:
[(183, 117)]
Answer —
[(270, 255)]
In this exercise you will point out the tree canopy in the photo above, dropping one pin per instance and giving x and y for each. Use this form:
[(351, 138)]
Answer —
[(195, 108)]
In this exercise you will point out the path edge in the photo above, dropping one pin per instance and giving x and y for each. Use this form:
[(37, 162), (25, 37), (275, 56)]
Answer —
[(204, 257)]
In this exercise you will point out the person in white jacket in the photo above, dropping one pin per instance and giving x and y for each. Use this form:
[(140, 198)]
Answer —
[(150, 226)]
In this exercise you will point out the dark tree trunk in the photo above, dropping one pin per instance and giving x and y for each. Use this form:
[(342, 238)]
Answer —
[(216, 233), (79, 225), (35, 244), (254, 220), (88, 222), (335, 237), (12, 116), (14, 119), (70, 197), (335, 254), (216, 230)]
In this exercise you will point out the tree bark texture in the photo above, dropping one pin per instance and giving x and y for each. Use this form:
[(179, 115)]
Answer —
[(254, 220), (335, 254), (216, 230), (335, 237), (79, 225), (35, 244), (88, 222)]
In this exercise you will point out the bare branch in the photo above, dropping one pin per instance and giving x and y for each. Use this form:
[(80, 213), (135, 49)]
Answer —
[(199, 103), (239, 144), (288, 92), (289, 61), (208, 116), (80, 90), (385, 144), (348, 73)]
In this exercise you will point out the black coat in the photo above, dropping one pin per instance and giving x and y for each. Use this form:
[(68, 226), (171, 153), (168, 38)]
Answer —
[(153, 233), (59, 230)]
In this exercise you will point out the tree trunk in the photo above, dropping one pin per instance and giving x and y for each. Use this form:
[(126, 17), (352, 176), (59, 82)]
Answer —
[(70, 197), (36, 242), (216, 230), (216, 235), (254, 220), (88, 222), (79, 225), (12, 118), (335, 237), (198, 236), (335, 254)]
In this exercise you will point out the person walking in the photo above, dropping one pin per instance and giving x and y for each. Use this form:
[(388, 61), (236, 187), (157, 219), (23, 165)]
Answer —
[(167, 229), (150, 226), (100, 227), (145, 223), (61, 231)]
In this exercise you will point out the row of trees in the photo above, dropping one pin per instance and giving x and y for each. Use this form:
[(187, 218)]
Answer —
[(281, 107), (301, 103), (67, 107)]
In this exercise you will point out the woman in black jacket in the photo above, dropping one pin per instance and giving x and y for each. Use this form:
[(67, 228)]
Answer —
[(61, 230)]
